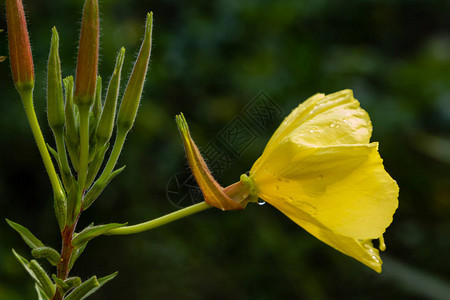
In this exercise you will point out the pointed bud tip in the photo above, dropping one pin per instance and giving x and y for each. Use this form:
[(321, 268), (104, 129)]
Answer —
[(149, 24), (19, 46)]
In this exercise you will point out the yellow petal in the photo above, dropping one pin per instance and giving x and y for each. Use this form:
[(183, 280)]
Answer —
[(345, 188), (321, 120), (361, 250)]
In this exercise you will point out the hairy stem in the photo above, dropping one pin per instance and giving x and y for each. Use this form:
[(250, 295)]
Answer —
[(190, 210), (27, 100)]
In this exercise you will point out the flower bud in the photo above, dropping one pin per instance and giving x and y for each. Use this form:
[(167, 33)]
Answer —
[(130, 101), (55, 101), (106, 124), (86, 75), (19, 46), (233, 198), (72, 136)]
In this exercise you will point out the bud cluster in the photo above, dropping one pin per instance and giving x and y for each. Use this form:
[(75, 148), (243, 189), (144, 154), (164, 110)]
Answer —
[(82, 122)]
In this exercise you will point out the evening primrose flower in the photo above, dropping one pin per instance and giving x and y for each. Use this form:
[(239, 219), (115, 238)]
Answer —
[(320, 170)]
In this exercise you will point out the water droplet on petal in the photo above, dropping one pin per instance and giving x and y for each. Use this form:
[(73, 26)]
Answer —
[(332, 125), (382, 244), (319, 177), (311, 131), (261, 202)]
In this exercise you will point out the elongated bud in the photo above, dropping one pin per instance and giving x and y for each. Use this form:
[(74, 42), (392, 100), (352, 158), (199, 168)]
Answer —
[(55, 101), (130, 101), (86, 75), (72, 136), (97, 108), (106, 124), (19, 46), (234, 198)]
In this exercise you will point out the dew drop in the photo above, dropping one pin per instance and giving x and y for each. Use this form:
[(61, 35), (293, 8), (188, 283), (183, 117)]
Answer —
[(311, 131), (261, 202), (332, 125), (319, 177), (382, 244)]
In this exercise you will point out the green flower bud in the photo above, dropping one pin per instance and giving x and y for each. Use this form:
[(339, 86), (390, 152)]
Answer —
[(55, 101), (72, 137), (130, 101), (106, 124)]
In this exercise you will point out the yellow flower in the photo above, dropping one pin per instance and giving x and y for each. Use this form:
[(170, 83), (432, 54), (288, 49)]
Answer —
[(320, 169)]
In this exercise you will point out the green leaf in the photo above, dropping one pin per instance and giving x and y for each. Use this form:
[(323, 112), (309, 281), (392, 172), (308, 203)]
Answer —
[(97, 189), (40, 292), (73, 282), (47, 252), (60, 283), (101, 282), (89, 233), (95, 165), (25, 263), (54, 153), (75, 255), (60, 206), (68, 284), (26, 235), (42, 278), (84, 290)]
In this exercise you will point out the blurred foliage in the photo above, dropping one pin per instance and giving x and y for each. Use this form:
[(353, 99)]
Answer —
[(209, 60)]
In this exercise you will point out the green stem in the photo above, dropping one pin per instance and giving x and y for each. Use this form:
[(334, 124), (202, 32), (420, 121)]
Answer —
[(114, 156), (84, 145), (27, 100), (190, 210), (65, 169)]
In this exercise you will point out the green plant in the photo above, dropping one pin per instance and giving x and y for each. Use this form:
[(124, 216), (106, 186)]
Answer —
[(308, 169)]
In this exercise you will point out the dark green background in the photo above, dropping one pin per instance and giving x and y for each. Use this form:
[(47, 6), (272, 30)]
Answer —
[(209, 60)]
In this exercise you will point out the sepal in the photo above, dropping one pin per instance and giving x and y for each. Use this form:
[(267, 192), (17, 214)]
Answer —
[(213, 193), (26, 235)]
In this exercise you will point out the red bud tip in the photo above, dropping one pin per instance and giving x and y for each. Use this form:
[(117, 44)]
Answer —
[(19, 46), (86, 75)]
